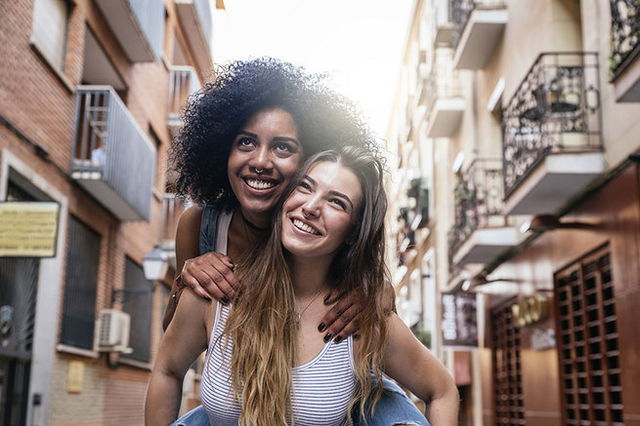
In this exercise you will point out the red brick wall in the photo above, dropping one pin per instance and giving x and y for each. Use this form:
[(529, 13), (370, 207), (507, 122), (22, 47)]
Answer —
[(41, 105)]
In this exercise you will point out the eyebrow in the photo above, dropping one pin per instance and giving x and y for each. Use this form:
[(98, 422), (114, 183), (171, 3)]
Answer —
[(276, 139), (332, 192)]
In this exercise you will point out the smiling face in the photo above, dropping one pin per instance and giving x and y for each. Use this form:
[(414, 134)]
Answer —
[(318, 216), (264, 157)]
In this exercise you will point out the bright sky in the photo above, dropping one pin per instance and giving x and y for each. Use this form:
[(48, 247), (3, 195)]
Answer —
[(358, 42)]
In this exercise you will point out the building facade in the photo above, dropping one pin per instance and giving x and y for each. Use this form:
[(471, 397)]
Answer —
[(520, 124), (90, 97)]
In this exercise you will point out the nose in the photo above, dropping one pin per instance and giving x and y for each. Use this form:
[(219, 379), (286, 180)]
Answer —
[(260, 160), (311, 208)]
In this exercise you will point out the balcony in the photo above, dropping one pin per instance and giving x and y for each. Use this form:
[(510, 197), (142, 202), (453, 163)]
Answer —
[(196, 23), (112, 158), (625, 50), (480, 231), (478, 27), (443, 99), (138, 26), (183, 82), (552, 146)]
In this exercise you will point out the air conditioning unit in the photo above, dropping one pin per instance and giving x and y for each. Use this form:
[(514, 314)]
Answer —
[(112, 331)]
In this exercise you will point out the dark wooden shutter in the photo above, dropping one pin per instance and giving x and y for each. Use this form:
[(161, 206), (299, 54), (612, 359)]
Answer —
[(588, 342)]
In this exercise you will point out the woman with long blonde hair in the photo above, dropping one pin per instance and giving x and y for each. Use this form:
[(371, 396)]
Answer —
[(265, 364)]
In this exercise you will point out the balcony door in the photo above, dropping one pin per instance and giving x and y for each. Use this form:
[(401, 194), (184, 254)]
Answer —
[(19, 284)]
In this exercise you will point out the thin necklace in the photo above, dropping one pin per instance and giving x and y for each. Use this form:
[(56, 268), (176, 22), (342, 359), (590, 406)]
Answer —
[(250, 224), (299, 314)]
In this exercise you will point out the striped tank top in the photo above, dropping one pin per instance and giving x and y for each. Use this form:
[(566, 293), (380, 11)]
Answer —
[(322, 387)]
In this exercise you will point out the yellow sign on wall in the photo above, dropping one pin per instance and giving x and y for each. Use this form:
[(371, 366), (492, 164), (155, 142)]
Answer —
[(28, 228), (75, 377)]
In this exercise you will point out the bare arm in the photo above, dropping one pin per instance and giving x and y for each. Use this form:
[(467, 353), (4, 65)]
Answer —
[(209, 275), (411, 364), (187, 246), (185, 339)]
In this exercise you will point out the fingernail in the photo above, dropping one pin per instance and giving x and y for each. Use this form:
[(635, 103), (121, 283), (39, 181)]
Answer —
[(326, 298), (224, 299), (327, 337), (338, 339), (321, 327), (207, 298)]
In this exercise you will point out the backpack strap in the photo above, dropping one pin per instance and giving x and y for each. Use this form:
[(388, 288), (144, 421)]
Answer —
[(208, 229)]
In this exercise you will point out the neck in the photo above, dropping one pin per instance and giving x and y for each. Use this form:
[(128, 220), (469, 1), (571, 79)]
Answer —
[(309, 275), (257, 221)]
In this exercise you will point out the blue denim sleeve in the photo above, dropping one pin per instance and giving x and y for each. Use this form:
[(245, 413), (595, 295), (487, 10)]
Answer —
[(393, 408), (195, 417)]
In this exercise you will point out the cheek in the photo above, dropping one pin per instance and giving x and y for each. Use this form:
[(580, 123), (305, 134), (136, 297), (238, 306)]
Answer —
[(341, 229), (234, 161)]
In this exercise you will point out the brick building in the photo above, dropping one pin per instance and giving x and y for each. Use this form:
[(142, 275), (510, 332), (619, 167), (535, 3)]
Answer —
[(515, 131), (90, 95)]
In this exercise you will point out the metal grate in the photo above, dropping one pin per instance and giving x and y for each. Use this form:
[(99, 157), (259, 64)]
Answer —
[(137, 303), (588, 342), (79, 311), (507, 368)]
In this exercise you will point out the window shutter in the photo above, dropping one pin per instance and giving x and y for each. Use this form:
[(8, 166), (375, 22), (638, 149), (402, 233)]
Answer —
[(49, 30)]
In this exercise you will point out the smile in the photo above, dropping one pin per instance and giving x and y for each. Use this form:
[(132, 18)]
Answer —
[(304, 227), (260, 184)]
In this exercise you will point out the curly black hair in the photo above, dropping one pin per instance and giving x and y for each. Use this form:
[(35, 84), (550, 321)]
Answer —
[(213, 117)]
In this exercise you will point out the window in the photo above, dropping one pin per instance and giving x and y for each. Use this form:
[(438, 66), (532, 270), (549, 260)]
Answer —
[(138, 300), (588, 342), (49, 31), (507, 376), (78, 314)]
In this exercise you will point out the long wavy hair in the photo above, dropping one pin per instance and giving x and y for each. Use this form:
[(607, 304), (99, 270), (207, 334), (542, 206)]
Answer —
[(261, 323)]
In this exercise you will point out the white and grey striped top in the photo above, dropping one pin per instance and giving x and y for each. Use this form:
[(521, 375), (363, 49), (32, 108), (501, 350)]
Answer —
[(322, 387)]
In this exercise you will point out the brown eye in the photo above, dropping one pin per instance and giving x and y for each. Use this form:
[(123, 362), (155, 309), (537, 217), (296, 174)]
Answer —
[(339, 203), (245, 142)]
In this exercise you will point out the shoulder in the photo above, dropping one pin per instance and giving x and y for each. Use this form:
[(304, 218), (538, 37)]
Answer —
[(190, 219), (188, 235), (195, 310)]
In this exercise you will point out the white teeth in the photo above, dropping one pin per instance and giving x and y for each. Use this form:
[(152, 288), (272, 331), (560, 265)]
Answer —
[(304, 227), (260, 184)]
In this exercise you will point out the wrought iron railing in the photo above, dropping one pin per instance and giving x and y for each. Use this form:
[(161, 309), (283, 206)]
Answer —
[(110, 146), (183, 82), (478, 201), (555, 109), (625, 34), (460, 11)]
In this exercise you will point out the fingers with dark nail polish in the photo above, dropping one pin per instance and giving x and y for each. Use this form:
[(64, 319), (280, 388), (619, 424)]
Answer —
[(207, 298), (327, 337), (321, 327), (338, 339), (224, 299)]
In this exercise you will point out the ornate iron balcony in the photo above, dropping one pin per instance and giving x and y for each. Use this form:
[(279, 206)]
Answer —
[(478, 202), (555, 109), (625, 34)]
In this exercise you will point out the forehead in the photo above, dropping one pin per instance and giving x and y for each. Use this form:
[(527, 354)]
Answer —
[(332, 176), (275, 120)]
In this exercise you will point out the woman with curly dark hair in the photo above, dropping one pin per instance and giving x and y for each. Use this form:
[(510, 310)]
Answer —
[(244, 138)]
